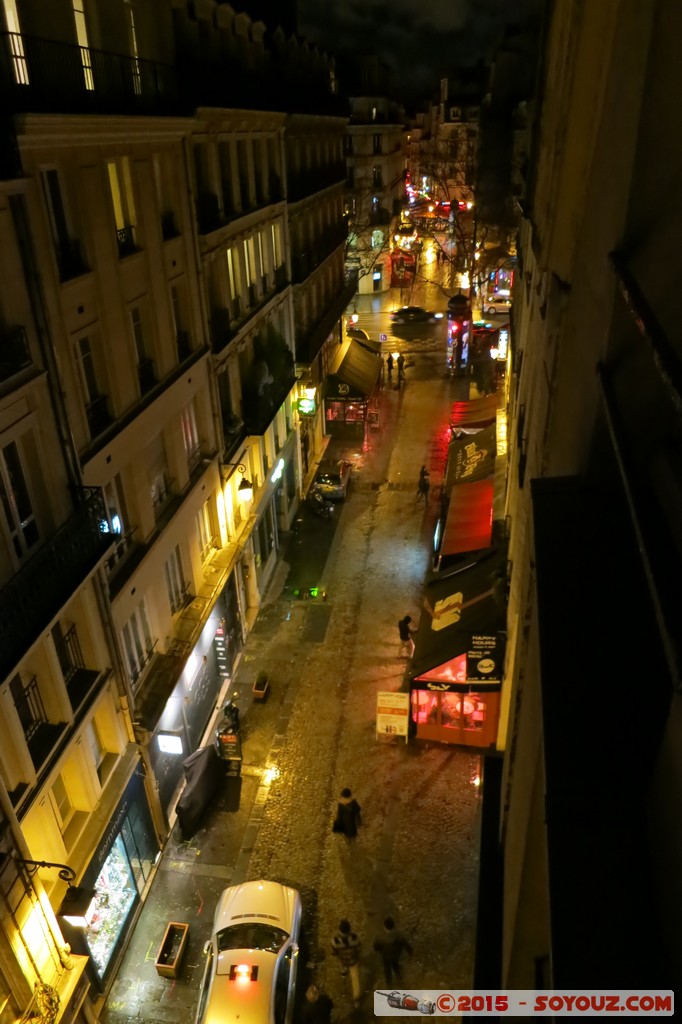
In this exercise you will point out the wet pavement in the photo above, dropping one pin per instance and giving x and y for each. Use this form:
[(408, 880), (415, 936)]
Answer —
[(416, 857)]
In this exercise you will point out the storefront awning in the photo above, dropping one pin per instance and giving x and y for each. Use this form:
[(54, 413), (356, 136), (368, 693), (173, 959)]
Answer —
[(356, 375), (479, 412), (469, 523), (471, 458), (463, 614)]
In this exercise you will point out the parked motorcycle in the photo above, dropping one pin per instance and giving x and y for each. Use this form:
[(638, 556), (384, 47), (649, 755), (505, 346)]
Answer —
[(317, 504)]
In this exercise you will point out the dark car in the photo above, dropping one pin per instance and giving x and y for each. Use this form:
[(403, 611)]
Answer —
[(414, 315), (333, 479)]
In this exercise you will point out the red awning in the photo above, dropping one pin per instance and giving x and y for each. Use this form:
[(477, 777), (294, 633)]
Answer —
[(469, 524), (476, 413)]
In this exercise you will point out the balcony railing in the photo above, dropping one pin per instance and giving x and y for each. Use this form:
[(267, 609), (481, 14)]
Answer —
[(98, 416), (125, 237), (208, 212), (15, 354), (307, 183), (50, 76), (34, 596), (183, 345), (260, 410), (309, 344), (70, 260), (145, 375)]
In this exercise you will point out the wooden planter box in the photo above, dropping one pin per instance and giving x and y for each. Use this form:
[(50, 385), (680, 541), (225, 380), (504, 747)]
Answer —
[(172, 949), (261, 687)]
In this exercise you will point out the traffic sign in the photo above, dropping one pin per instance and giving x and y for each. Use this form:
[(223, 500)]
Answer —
[(383, 337)]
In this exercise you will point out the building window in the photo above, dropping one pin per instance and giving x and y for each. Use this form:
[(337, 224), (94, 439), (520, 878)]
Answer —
[(132, 42), (276, 245), (190, 436), (145, 365), (62, 802), (205, 531), (376, 144), (175, 581), (67, 250), (121, 186), (83, 42), (376, 176), (159, 479), (137, 641), (16, 501), (16, 43)]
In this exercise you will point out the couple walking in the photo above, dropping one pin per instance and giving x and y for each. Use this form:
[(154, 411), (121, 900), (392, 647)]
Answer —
[(389, 944)]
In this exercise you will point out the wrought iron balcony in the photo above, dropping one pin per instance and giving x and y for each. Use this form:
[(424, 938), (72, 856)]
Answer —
[(48, 580), (15, 354), (183, 345), (146, 375), (309, 344), (208, 212), (307, 183), (126, 241), (260, 410), (169, 228), (70, 260), (98, 416), (46, 75)]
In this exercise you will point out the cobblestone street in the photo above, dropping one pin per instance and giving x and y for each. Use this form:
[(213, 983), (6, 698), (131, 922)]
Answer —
[(416, 857)]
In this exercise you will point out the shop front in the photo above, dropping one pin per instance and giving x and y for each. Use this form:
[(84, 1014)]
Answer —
[(118, 873), (457, 669), (350, 403), (178, 699)]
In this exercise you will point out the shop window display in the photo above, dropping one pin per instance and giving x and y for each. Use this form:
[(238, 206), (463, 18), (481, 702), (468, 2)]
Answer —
[(116, 893)]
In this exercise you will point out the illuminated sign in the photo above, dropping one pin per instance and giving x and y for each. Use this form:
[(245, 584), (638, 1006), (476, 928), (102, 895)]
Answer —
[(277, 471), (306, 406), (169, 744)]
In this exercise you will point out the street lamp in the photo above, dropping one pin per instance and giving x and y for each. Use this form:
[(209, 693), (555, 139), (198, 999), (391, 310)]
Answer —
[(79, 902), (245, 489)]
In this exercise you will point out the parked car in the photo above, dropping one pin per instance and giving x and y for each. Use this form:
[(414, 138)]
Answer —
[(414, 315), (496, 304), (332, 479), (252, 956)]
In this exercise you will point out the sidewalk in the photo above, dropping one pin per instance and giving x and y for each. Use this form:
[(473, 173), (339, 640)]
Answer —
[(417, 855)]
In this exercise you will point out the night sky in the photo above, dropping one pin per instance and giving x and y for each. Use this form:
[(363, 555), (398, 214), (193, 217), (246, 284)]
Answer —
[(422, 40)]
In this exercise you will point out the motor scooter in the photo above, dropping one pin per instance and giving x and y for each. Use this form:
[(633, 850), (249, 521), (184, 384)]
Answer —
[(227, 740), (317, 504)]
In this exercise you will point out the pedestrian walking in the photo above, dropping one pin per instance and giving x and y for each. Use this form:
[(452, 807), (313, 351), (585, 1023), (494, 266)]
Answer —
[(346, 946), (401, 367), (389, 366), (348, 817), (406, 635), (317, 1008), (390, 945), (423, 484)]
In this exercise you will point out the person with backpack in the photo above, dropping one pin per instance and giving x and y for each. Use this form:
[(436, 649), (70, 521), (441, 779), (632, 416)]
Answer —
[(346, 947)]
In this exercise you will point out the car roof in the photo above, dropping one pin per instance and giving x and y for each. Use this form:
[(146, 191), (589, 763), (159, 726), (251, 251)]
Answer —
[(256, 901), (248, 1001)]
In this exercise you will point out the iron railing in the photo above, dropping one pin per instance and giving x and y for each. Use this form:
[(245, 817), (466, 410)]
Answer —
[(37, 592), (15, 354), (46, 75)]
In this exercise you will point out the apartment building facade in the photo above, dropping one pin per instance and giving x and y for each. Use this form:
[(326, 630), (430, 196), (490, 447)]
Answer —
[(375, 191), (149, 443)]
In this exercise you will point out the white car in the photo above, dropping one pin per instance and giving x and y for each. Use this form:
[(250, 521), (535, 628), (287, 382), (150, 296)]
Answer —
[(252, 956), (496, 304)]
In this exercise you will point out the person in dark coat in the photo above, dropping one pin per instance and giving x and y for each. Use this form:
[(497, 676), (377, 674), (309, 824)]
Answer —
[(389, 366), (317, 1008), (346, 947), (423, 483), (401, 367), (347, 818), (406, 632), (390, 945)]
